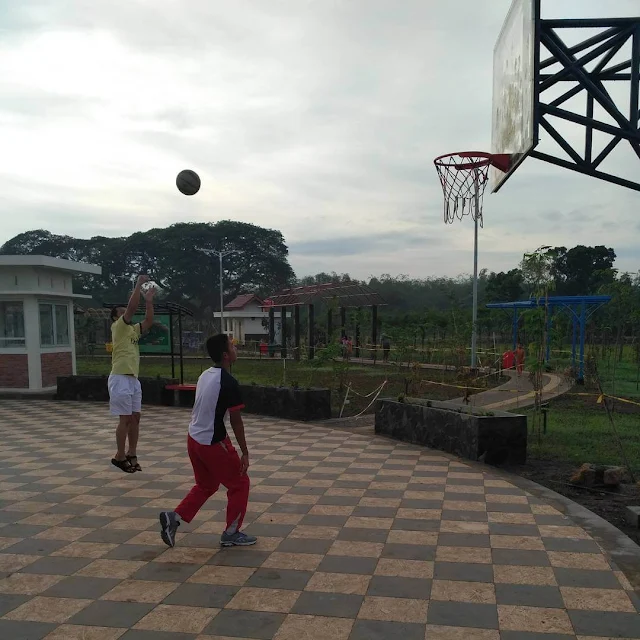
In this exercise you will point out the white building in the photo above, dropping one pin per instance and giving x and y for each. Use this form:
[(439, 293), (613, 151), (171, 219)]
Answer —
[(37, 342), (247, 319)]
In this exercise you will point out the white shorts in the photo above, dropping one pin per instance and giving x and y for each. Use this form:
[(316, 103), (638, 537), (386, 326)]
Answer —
[(125, 395)]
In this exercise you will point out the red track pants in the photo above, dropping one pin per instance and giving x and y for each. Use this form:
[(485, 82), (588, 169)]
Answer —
[(215, 465)]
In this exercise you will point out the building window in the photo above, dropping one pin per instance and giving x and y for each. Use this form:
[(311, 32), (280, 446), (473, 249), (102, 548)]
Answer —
[(11, 325), (54, 325)]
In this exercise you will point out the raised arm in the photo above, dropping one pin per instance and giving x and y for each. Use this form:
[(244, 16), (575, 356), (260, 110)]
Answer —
[(134, 300), (147, 323)]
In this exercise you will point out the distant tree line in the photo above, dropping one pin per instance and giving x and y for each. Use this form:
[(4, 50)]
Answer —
[(179, 258)]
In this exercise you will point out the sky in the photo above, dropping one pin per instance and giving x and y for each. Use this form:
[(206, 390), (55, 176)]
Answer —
[(319, 118)]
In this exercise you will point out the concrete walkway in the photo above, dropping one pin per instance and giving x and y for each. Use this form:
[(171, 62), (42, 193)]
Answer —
[(516, 393), (361, 538)]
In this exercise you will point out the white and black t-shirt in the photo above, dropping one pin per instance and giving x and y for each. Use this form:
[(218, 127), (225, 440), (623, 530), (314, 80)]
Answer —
[(217, 393)]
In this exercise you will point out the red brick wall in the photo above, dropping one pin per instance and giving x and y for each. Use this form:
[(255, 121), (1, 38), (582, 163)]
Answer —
[(54, 365), (14, 371)]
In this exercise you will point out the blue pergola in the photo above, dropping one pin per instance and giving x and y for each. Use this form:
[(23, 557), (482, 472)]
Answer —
[(580, 308)]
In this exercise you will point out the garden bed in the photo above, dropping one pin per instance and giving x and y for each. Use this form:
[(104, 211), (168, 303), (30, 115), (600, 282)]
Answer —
[(494, 437)]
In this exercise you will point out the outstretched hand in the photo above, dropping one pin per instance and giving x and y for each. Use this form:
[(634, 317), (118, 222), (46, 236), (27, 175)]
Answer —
[(149, 294), (142, 278)]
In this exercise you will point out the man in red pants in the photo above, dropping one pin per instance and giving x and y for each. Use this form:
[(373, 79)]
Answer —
[(214, 460)]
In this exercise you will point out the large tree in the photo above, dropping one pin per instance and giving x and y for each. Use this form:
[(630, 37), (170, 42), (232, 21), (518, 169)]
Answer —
[(582, 270), (178, 257)]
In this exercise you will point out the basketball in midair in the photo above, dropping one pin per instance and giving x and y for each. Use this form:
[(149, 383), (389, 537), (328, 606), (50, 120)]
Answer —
[(188, 182)]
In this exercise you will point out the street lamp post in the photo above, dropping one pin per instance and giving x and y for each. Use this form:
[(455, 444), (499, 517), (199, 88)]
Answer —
[(220, 254)]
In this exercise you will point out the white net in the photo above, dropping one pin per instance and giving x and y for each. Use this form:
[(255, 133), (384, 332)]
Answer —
[(463, 177)]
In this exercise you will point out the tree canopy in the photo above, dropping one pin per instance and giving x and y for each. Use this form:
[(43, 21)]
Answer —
[(178, 258)]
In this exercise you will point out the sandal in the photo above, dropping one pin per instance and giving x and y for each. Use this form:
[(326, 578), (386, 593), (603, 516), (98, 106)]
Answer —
[(133, 461), (125, 465)]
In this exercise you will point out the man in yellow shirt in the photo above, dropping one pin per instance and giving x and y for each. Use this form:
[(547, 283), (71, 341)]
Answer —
[(125, 393)]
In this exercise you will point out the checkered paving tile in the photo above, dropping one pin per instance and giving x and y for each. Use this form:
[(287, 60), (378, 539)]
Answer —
[(360, 538)]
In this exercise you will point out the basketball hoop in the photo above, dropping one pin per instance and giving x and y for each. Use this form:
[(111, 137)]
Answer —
[(464, 177)]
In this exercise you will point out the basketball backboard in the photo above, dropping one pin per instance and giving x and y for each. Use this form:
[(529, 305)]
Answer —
[(515, 127)]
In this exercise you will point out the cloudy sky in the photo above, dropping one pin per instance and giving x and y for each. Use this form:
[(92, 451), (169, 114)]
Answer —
[(320, 118)]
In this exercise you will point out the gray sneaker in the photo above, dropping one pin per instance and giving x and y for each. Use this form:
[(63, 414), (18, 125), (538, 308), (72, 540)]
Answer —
[(168, 526), (237, 539)]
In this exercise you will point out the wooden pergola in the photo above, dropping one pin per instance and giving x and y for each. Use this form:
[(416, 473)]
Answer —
[(334, 294)]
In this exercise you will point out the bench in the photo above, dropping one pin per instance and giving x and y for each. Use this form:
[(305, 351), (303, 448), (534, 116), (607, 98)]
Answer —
[(183, 394)]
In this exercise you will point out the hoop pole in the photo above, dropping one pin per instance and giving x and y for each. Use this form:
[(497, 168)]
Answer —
[(474, 320)]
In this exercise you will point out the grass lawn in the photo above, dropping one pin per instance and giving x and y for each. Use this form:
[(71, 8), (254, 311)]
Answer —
[(276, 372), (579, 431)]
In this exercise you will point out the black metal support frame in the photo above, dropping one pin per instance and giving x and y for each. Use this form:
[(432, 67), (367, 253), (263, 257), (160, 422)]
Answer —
[(616, 33)]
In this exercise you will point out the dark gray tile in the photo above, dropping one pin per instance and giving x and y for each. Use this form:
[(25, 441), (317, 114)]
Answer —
[(56, 565), (268, 497), (108, 491), (165, 571), (529, 595), (456, 496), (532, 635), (521, 557), (391, 479), (339, 605), (375, 512), (139, 634), (465, 516), (271, 530), (391, 586), (281, 482), (500, 529), (585, 578), (413, 524), (139, 552), (14, 516), (35, 546), (238, 557), (343, 501), (280, 579), (81, 587), (324, 521), (463, 614), (113, 536), (245, 624), (378, 630), (357, 534), (20, 530), (103, 613), (463, 540), (350, 484), (21, 630), (463, 571), (409, 552), (606, 623), (344, 564), (409, 503), (307, 491), (572, 545), (283, 507), (504, 491), (305, 545), (499, 507), (384, 493), (201, 595), (129, 502), (90, 522), (10, 601)]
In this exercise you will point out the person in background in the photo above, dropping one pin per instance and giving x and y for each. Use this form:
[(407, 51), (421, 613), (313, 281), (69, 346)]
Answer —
[(125, 393), (386, 348)]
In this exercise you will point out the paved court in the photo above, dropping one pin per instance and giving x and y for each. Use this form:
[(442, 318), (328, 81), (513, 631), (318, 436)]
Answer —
[(361, 538)]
